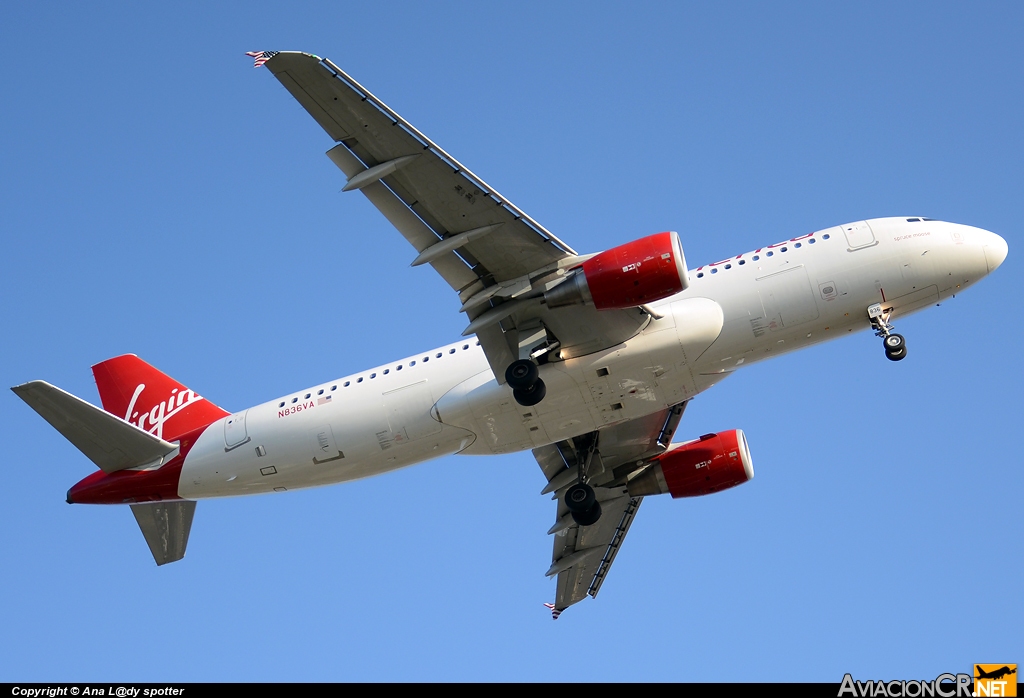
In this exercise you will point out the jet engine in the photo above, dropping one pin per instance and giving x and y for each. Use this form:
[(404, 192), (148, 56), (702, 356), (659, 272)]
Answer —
[(712, 463), (642, 271)]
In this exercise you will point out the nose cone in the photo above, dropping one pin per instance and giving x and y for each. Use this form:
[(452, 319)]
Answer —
[(995, 250)]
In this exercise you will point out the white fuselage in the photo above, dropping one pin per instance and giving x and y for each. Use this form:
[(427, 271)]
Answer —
[(750, 307)]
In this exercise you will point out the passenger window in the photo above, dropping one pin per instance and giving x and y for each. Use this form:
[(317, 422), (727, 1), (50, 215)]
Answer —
[(797, 245), (399, 367), (334, 387), (700, 275), (785, 249), (825, 236), (359, 380), (347, 383), (373, 375), (412, 363), (426, 359), (728, 266), (770, 253), (451, 351), (387, 371), (294, 400), (307, 396), (438, 355), (756, 257), (320, 392), (811, 241), (742, 262), (714, 270), (281, 405), (465, 347)]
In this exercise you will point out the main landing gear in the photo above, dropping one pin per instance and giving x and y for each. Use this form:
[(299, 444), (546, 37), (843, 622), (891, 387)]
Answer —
[(524, 379), (582, 504), (895, 345), (580, 498), (528, 389)]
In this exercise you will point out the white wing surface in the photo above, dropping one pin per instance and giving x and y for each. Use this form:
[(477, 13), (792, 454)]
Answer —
[(582, 555), (496, 257)]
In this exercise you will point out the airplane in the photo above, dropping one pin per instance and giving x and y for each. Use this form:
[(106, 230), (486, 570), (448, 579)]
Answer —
[(995, 674), (588, 360)]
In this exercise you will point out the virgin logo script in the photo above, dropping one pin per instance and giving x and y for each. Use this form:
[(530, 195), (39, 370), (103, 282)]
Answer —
[(153, 421)]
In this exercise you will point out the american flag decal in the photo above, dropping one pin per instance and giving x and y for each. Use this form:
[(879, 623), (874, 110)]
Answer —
[(261, 56), (554, 611), (323, 400)]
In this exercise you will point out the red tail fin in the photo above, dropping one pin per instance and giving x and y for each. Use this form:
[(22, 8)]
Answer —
[(138, 393)]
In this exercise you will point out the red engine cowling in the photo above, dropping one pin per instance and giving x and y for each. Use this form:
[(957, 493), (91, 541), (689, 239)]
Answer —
[(642, 271), (712, 463)]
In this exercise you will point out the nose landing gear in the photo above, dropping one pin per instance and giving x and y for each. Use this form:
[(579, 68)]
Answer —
[(895, 345), (524, 379)]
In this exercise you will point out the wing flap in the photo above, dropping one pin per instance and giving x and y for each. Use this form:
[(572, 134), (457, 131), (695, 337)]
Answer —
[(108, 441), (585, 577), (411, 227)]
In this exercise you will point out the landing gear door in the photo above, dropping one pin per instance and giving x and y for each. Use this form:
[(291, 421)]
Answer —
[(235, 433), (859, 236)]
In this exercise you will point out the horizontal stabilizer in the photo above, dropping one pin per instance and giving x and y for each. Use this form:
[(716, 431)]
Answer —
[(108, 441), (166, 526)]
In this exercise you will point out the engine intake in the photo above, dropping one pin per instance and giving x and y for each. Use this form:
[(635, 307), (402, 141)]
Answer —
[(642, 271), (712, 463)]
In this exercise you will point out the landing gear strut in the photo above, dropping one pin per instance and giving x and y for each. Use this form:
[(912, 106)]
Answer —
[(524, 379), (895, 345), (580, 499)]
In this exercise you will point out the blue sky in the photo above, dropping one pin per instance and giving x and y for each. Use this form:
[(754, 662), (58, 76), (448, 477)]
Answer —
[(159, 196)]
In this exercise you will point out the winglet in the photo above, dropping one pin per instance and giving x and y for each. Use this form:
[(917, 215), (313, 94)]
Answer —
[(555, 612), (261, 57)]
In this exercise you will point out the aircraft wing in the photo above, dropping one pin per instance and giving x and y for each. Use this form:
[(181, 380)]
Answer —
[(582, 555), (496, 257)]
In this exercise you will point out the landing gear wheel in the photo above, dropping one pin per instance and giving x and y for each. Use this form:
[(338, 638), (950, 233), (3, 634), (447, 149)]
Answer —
[(522, 374), (894, 342), (895, 347), (589, 517), (580, 498), (530, 396), (896, 355)]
